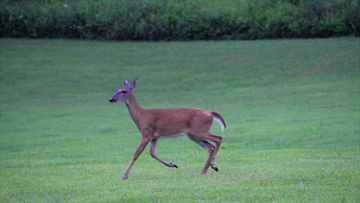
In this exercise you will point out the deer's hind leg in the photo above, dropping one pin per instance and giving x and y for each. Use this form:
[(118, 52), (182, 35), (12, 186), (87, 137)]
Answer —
[(203, 140), (210, 148), (217, 140)]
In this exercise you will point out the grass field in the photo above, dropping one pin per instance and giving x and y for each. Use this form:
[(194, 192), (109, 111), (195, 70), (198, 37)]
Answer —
[(292, 109)]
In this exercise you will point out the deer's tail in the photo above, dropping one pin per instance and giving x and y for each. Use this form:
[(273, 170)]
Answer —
[(217, 116)]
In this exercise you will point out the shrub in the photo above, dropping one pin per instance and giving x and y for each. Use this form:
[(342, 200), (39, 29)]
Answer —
[(179, 20)]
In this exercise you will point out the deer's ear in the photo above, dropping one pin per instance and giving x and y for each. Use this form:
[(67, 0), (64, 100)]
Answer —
[(126, 83), (134, 84)]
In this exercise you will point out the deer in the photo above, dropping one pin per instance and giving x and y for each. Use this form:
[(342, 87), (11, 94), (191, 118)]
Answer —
[(155, 124)]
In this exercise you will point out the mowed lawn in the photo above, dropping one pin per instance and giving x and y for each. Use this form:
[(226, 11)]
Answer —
[(292, 109)]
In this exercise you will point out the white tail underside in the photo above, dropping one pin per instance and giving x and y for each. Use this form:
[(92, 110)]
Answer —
[(220, 122)]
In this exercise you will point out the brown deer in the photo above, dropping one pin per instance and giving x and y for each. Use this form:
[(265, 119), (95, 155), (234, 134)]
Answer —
[(154, 124)]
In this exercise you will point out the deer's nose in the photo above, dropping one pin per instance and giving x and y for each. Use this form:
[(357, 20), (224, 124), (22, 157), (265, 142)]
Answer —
[(111, 100)]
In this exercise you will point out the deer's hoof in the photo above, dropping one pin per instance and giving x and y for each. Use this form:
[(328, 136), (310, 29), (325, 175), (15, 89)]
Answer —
[(124, 177), (215, 168), (173, 165)]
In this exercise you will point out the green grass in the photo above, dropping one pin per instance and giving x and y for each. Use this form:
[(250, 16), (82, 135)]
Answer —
[(292, 109)]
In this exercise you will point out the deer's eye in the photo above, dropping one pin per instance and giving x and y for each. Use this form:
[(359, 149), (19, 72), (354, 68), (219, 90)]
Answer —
[(123, 92)]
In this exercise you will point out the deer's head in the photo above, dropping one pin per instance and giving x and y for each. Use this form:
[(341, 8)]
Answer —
[(124, 93)]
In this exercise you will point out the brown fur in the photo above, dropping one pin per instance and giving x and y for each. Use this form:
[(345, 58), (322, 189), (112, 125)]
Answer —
[(154, 124)]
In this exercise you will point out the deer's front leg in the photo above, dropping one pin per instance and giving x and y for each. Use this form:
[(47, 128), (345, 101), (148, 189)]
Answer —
[(143, 144), (152, 152)]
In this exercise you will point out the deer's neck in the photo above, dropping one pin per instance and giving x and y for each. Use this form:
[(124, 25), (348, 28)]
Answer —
[(135, 110)]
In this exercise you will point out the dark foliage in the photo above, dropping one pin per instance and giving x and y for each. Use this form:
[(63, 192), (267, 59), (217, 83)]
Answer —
[(179, 20)]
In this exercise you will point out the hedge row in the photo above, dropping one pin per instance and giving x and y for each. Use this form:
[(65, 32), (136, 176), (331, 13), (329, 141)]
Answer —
[(179, 19)]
